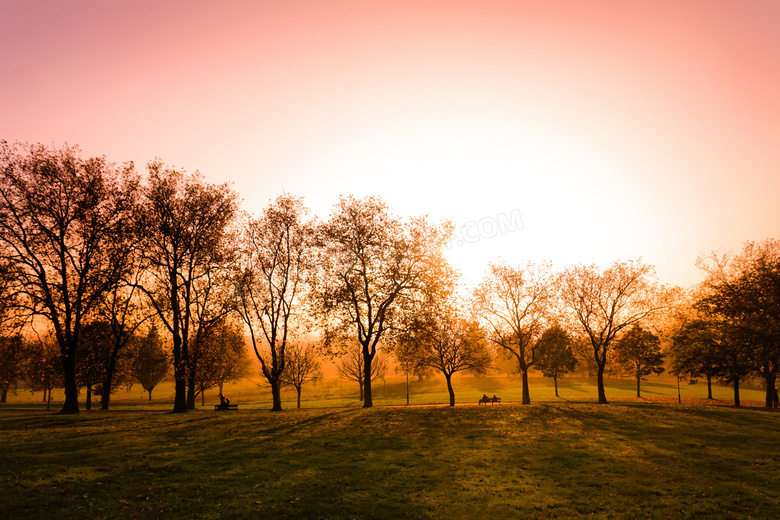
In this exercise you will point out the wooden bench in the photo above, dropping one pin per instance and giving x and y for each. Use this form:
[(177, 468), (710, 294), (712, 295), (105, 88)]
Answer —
[(219, 408), (491, 400)]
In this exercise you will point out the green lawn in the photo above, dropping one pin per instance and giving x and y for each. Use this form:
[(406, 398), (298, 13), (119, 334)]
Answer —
[(468, 389), (556, 459)]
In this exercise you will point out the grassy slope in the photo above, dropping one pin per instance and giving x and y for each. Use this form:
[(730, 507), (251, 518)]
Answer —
[(548, 460)]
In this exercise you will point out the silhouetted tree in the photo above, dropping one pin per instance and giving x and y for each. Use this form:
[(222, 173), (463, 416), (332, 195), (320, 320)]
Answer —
[(123, 310), (744, 291), (11, 363), (185, 223), (151, 363), (605, 302), (351, 367), (61, 219), (223, 357), (694, 351), (638, 352), (555, 357), (302, 367), (94, 348), (373, 267), (43, 367), (515, 302), (275, 261), (216, 338)]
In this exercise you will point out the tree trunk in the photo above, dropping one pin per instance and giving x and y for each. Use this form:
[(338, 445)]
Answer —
[(736, 391), (276, 393), (180, 401), (407, 388), (555, 381), (526, 395), (202, 396), (108, 381), (48, 400), (770, 387), (71, 405), (600, 381), (3, 395), (89, 397), (368, 401), (191, 390), (179, 357), (44, 394), (105, 394), (299, 396), (638, 379), (709, 387), (449, 388), (150, 395)]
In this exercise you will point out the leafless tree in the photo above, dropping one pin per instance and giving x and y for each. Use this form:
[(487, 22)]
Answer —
[(351, 366), (302, 366)]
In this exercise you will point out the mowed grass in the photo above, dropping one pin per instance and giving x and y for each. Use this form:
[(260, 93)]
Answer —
[(546, 460), (251, 394)]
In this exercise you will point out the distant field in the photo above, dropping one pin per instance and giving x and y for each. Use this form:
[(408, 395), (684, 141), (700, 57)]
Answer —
[(547, 460), (335, 393)]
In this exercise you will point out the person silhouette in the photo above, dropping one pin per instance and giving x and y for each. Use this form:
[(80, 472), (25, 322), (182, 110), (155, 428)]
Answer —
[(775, 399), (222, 402)]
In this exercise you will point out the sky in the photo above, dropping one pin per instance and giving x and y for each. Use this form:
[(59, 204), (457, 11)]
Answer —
[(575, 132)]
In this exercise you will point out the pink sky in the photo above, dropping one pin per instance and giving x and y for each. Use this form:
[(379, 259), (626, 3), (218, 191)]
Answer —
[(618, 129)]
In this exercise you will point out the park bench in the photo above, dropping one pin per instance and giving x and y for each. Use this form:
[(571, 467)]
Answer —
[(491, 400), (219, 408)]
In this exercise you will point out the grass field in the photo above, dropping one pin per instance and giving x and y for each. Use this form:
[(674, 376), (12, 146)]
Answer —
[(565, 458), (335, 393)]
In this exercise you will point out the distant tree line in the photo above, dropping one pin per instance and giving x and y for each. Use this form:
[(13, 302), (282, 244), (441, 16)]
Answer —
[(109, 277)]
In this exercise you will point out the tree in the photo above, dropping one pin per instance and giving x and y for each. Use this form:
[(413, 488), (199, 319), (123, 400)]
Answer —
[(302, 367), (373, 267), (222, 357), (408, 348), (605, 302), (275, 261), (95, 344), (744, 290), (351, 366), (217, 344), (43, 367), (694, 351), (555, 355), (61, 219), (151, 363), (454, 344), (638, 351), (11, 363), (185, 223), (515, 303)]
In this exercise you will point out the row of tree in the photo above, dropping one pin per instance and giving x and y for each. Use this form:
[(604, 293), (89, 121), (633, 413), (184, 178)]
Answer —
[(730, 327), (85, 242)]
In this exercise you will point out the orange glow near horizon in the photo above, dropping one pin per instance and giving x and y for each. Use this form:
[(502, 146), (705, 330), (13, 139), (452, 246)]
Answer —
[(616, 129)]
